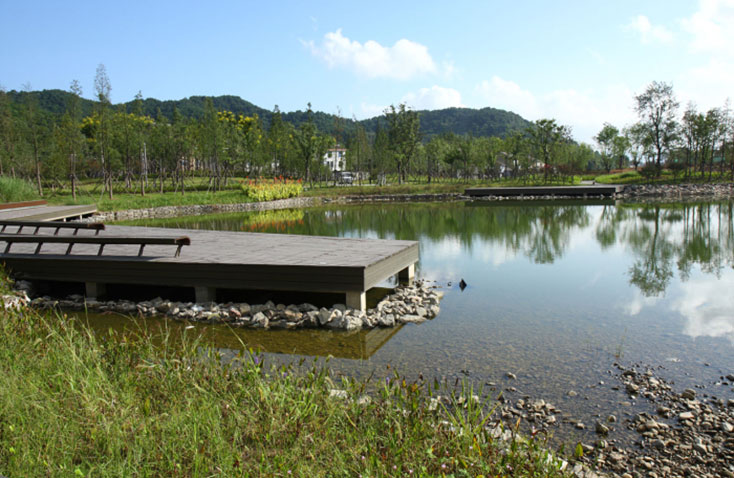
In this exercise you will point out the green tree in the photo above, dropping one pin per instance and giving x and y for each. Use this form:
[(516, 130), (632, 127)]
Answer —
[(358, 151), (71, 138), (606, 140), (656, 107), (404, 136), (103, 88), (546, 136), (310, 146), (35, 133), (10, 137)]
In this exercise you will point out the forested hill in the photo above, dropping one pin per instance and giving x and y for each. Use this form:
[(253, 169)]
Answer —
[(460, 121)]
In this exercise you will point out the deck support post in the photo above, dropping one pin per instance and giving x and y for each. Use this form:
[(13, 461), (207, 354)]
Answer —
[(357, 300), (95, 290), (407, 275), (205, 294)]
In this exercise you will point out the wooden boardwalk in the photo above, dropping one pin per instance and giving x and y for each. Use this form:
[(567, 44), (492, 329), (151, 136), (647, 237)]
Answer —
[(39, 211), (222, 259), (575, 191)]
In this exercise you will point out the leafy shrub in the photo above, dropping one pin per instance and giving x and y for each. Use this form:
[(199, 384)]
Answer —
[(271, 189), (676, 167), (15, 190), (650, 170)]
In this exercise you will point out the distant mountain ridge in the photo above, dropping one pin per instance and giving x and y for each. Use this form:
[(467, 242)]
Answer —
[(476, 122)]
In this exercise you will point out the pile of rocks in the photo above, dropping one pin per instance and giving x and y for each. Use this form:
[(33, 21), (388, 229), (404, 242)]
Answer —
[(686, 436), (678, 190), (408, 304), (200, 209)]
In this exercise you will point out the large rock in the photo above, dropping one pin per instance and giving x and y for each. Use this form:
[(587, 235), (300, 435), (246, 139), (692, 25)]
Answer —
[(260, 321)]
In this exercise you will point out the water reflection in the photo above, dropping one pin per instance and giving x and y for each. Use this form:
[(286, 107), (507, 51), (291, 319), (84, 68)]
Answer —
[(707, 304), (355, 345), (594, 248), (668, 237)]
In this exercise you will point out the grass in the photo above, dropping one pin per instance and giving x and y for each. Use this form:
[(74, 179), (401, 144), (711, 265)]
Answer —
[(666, 177), (73, 403), (16, 190)]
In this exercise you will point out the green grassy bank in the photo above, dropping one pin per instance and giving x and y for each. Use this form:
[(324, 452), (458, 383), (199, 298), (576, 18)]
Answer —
[(76, 404)]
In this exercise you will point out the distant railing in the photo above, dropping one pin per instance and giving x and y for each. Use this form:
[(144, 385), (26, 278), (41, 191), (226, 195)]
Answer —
[(11, 239), (76, 226)]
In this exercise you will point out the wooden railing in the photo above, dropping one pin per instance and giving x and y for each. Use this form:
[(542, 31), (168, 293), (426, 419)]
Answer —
[(102, 241), (76, 226)]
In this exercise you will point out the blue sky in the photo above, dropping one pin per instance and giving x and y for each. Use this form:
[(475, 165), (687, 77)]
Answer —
[(580, 62)]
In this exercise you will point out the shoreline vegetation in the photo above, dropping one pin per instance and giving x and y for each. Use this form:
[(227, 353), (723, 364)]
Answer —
[(237, 194), (73, 403)]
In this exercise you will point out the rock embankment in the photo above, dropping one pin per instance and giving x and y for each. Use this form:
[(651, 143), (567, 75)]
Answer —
[(677, 191), (408, 304)]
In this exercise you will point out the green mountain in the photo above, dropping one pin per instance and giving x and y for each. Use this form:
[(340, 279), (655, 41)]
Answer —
[(460, 121)]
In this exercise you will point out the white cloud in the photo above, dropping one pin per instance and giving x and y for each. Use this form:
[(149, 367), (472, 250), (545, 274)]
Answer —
[(509, 95), (706, 303), (433, 98), (649, 33), (712, 26), (370, 110), (638, 302), (585, 111), (404, 60), (708, 85)]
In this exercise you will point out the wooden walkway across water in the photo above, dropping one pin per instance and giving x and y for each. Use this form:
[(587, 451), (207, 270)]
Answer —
[(217, 260), (570, 191)]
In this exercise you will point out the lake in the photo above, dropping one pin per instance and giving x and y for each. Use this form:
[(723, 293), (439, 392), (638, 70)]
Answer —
[(557, 293)]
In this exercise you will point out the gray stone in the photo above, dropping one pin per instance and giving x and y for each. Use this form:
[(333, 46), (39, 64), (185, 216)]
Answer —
[(412, 319), (260, 320), (324, 316), (688, 394), (685, 416), (601, 429)]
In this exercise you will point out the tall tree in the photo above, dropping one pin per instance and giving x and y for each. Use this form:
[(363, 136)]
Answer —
[(606, 139), (72, 140), (9, 135), (34, 132), (546, 136), (310, 145), (656, 107), (404, 134), (103, 88)]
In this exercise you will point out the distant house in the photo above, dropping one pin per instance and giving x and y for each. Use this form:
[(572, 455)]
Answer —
[(335, 159)]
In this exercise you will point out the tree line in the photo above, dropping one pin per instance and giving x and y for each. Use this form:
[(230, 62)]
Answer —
[(696, 143), (124, 148)]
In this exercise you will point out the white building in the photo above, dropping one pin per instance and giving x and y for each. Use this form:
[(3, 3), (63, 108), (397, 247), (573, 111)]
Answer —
[(335, 159)]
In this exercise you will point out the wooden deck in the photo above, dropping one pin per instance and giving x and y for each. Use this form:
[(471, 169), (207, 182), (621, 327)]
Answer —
[(223, 259), (575, 191), (41, 212)]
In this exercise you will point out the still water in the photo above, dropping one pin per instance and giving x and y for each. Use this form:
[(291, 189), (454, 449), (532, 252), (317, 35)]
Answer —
[(557, 292)]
